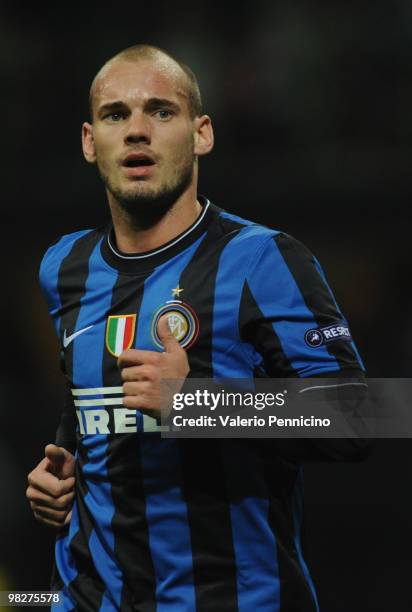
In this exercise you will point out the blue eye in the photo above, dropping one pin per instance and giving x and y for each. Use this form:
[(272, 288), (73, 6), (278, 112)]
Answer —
[(164, 114), (114, 116)]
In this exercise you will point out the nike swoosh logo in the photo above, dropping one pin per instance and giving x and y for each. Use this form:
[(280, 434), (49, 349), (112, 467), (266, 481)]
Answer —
[(67, 339)]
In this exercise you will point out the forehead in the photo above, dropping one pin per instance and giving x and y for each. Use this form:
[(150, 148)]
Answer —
[(137, 81)]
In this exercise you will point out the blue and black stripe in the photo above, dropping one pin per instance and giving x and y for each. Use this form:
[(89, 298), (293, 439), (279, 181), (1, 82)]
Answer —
[(188, 525)]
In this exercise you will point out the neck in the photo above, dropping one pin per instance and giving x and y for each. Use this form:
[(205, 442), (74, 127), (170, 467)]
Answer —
[(178, 218)]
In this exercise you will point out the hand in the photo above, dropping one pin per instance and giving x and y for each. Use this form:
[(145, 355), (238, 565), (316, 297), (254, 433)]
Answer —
[(143, 372), (51, 487)]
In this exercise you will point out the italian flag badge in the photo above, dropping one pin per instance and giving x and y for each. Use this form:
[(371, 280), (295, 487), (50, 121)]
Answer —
[(120, 333)]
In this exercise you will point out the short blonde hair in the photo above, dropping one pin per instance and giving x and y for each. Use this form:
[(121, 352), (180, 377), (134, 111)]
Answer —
[(145, 51)]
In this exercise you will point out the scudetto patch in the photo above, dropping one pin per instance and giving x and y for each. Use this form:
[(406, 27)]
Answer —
[(323, 335), (183, 323), (120, 333)]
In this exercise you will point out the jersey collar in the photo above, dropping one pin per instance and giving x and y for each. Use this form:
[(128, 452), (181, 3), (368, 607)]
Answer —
[(134, 263)]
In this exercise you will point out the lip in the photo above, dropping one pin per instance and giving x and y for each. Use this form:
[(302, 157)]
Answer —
[(137, 156), (138, 171)]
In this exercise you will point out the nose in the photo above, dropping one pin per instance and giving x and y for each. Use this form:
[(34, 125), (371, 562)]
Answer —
[(138, 129)]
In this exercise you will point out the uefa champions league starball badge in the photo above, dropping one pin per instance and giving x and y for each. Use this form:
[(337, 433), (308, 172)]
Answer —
[(313, 338)]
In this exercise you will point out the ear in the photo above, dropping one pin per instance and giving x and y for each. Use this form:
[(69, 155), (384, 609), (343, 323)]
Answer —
[(204, 138), (88, 143)]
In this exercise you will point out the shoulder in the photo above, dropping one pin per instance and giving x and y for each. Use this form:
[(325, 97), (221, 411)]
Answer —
[(245, 231), (61, 248), (259, 239)]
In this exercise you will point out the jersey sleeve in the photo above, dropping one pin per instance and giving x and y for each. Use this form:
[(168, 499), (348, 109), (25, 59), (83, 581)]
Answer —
[(290, 316), (49, 282), (66, 430)]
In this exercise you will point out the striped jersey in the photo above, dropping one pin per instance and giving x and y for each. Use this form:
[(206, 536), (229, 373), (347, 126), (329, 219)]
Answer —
[(180, 525)]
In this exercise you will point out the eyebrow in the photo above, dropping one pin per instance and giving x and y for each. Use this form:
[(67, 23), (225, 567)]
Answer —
[(153, 103), (110, 106), (149, 105)]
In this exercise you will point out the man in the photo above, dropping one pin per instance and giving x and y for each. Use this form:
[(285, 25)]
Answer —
[(159, 524)]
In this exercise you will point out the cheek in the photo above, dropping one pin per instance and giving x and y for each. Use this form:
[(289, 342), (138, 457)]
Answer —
[(104, 153), (182, 149), (105, 142)]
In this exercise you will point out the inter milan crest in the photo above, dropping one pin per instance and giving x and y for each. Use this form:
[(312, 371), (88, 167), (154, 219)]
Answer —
[(183, 323), (120, 333)]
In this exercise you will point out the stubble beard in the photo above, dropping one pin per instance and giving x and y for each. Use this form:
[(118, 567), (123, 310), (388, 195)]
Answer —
[(145, 207)]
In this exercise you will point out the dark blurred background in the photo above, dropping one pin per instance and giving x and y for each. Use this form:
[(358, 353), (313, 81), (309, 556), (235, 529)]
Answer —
[(311, 103)]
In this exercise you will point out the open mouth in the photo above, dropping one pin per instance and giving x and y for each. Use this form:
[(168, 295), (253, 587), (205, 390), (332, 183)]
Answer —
[(133, 163), (137, 160)]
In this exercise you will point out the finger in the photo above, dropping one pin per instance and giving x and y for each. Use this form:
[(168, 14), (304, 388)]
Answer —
[(68, 517), (136, 402), (166, 337), (59, 461), (55, 455), (50, 514), (49, 484), (133, 357), (48, 522), (142, 372), (137, 388), (59, 503)]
